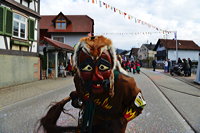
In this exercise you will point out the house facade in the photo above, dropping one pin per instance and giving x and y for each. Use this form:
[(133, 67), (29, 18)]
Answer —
[(146, 51), (19, 38), (67, 29), (59, 34), (166, 49), (134, 53)]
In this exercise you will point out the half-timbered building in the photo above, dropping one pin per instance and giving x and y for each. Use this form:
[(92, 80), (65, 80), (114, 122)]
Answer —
[(19, 37)]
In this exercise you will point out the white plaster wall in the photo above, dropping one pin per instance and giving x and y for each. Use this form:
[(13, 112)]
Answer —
[(142, 52), (2, 44), (35, 35), (17, 1), (151, 53), (8, 41), (36, 5), (193, 55), (25, 3), (34, 47), (31, 6), (71, 39), (36, 23)]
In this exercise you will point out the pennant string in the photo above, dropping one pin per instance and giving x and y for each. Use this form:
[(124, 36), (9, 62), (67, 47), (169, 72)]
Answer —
[(129, 16)]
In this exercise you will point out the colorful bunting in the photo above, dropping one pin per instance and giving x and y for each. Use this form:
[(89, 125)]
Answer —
[(129, 16), (136, 33)]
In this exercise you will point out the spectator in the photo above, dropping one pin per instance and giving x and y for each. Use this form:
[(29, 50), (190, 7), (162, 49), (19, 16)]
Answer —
[(154, 64), (62, 70), (133, 67), (165, 66), (128, 65), (186, 67), (180, 61), (137, 66), (169, 65), (190, 68), (69, 67), (140, 63)]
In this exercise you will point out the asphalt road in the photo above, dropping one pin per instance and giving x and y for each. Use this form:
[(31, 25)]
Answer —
[(22, 116), (184, 97), (159, 116)]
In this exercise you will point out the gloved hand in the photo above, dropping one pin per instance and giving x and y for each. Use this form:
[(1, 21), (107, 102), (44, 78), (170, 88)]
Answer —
[(76, 100)]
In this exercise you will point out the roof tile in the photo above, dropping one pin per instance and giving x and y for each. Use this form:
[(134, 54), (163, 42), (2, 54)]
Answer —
[(182, 44), (58, 44), (79, 23)]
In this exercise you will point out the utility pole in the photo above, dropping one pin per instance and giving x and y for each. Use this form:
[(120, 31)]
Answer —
[(175, 34)]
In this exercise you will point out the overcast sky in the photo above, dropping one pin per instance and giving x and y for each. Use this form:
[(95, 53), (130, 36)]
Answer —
[(182, 16)]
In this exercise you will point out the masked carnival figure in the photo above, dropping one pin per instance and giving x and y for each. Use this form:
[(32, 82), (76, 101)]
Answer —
[(107, 97)]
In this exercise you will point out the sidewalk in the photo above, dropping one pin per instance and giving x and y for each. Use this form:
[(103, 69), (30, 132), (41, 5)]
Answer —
[(189, 80), (11, 95)]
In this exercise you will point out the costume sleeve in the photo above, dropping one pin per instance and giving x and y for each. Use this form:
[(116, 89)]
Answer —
[(136, 101)]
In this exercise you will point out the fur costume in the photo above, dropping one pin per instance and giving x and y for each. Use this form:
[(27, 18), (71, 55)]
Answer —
[(108, 97)]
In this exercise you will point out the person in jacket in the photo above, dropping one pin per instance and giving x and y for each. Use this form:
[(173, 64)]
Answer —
[(190, 68), (108, 97), (186, 67), (154, 64)]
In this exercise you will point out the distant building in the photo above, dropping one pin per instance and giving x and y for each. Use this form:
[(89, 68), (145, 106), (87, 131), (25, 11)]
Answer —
[(67, 29), (146, 51), (134, 53), (19, 38), (59, 34), (166, 49)]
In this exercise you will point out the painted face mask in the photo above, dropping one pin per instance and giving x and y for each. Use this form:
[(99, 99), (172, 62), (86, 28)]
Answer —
[(94, 60), (96, 72)]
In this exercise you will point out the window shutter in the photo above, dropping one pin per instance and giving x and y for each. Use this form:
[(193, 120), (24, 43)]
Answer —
[(8, 22), (31, 29), (2, 16)]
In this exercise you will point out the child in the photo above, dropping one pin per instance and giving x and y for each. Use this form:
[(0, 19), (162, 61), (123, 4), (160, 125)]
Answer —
[(137, 67)]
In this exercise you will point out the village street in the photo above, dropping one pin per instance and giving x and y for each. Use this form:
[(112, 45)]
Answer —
[(172, 105)]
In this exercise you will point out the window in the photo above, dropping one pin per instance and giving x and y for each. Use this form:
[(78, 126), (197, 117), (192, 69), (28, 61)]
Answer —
[(59, 38), (6, 21), (19, 26), (61, 23)]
